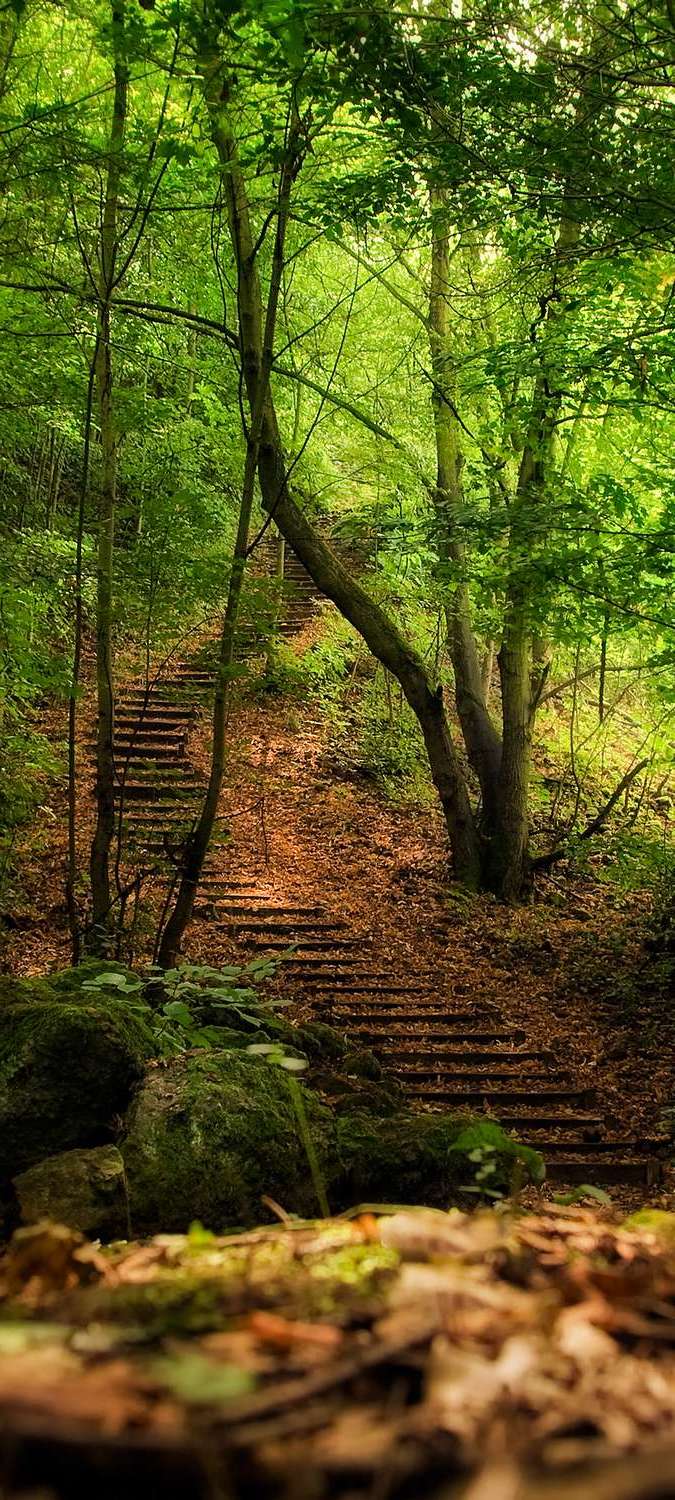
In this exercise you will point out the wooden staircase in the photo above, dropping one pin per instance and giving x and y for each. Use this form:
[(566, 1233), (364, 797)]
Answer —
[(445, 1055)]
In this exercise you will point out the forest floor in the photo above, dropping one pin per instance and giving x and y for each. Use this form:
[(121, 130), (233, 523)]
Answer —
[(490, 1356), (572, 968)]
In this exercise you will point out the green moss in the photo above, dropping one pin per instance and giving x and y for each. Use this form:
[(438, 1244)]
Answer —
[(67, 1069), (357, 1093), (210, 1134), (362, 1064), (421, 1158), (656, 1221), (322, 1041), (64, 984)]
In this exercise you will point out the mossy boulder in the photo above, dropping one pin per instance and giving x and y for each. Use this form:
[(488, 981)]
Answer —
[(68, 1064), (84, 1189), (64, 984), (426, 1159), (209, 1134), (354, 1092)]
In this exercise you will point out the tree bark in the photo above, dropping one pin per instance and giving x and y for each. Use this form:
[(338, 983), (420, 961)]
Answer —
[(480, 736), (99, 864), (174, 931), (328, 572)]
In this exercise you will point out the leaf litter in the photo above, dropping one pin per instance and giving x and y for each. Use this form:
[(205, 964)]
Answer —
[(407, 1352)]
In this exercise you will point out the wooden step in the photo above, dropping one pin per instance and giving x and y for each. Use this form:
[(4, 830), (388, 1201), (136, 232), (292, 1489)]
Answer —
[(287, 929), (535, 1121), (443, 1055), (296, 967), (623, 1148), (435, 1034), (147, 773), (137, 731), (647, 1171), (386, 1017), (166, 754), (324, 978), (248, 909), (307, 944), (377, 989), (411, 1077), (539, 1098), (169, 820), (161, 791), (153, 711)]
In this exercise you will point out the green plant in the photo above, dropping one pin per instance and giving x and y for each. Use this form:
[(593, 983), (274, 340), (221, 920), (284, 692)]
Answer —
[(487, 1146), (191, 993), (585, 1190), (276, 1055)]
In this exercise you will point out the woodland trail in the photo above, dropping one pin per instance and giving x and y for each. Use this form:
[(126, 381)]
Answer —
[(405, 999)]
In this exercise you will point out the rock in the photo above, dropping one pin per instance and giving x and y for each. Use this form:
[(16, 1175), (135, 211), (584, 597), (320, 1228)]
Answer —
[(423, 1159), (361, 1063), (209, 1134), (85, 1190), (358, 1093), (68, 1063)]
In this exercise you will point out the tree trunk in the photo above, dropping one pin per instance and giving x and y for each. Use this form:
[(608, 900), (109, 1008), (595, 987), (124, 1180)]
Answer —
[(198, 845), (480, 736), (328, 572), (105, 760), (169, 947), (71, 875)]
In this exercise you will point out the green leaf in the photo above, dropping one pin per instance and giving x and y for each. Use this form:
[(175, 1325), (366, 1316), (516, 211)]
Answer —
[(585, 1190), (177, 1010), (196, 1379)]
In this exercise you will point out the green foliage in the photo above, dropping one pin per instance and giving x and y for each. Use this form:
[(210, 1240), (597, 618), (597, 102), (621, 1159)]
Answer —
[(196, 994), (561, 281), (585, 1190), (486, 1147)]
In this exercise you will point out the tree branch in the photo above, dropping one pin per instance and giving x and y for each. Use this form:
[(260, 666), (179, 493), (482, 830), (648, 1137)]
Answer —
[(545, 861)]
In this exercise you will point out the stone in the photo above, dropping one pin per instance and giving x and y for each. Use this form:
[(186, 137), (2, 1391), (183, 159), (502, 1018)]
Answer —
[(83, 1189), (68, 1062), (424, 1159), (209, 1134)]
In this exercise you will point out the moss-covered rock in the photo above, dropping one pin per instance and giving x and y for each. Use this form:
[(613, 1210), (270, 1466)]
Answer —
[(64, 984), (425, 1158), (67, 1069), (352, 1093), (84, 1189), (210, 1133)]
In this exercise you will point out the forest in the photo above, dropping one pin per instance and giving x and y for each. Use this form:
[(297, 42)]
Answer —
[(337, 716)]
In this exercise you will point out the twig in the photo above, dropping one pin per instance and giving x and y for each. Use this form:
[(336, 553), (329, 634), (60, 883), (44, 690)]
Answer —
[(545, 861)]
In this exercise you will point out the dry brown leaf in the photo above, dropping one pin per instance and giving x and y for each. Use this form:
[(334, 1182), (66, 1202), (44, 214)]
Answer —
[(426, 1234), (44, 1258), (284, 1333)]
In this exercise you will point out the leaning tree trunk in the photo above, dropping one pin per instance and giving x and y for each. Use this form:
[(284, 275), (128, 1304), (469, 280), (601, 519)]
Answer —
[(328, 572), (99, 865)]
